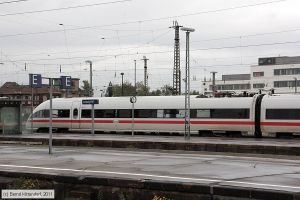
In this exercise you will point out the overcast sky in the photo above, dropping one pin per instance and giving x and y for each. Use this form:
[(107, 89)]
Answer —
[(230, 36)]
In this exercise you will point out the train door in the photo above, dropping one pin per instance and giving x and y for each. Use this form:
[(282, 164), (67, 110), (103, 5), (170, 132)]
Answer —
[(75, 112)]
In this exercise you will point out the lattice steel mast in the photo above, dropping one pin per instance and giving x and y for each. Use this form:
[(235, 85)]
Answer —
[(145, 71), (176, 69)]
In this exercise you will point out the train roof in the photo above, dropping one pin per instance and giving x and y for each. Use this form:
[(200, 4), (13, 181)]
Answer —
[(282, 101), (153, 102)]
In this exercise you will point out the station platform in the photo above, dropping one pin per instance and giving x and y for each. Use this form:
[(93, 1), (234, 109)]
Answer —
[(118, 174), (290, 147)]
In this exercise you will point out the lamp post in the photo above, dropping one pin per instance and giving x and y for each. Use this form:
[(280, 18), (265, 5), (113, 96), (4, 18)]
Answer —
[(91, 78), (187, 100), (295, 85), (103, 91), (133, 100), (134, 77), (122, 74), (214, 83)]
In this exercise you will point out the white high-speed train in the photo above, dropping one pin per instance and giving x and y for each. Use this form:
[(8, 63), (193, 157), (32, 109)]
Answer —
[(258, 116)]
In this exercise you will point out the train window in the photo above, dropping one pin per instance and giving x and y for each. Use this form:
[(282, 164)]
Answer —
[(181, 114), (45, 113), (54, 113), (200, 113), (170, 113), (160, 113), (63, 113), (41, 114), (229, 113), (287, 114), (104, 113), (75, 112), (124, 113), (86, 113), (145, 113), (37, 114)]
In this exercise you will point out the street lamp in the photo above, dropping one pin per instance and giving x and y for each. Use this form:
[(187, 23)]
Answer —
[(91, 78), (122, 74), (103, 91), (295, 84), (134, 77), (187, 100), (214, 83), (133, 100)]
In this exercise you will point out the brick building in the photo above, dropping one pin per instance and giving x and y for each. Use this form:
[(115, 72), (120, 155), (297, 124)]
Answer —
[(14, 91)]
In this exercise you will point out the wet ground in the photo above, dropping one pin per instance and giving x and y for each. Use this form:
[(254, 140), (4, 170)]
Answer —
[(276, 173)]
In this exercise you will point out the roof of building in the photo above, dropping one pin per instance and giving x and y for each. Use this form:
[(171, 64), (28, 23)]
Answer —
[(281, 60), (14, 88), (234, 77)]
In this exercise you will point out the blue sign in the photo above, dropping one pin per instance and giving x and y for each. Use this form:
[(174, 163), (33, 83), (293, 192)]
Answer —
[(90, 101), (35, 80), (66, 82)]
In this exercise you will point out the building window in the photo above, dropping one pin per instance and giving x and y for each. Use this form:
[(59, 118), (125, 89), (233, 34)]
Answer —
[(232, 87), (258, 74), (278, 84), (289, 71), (258, 85)]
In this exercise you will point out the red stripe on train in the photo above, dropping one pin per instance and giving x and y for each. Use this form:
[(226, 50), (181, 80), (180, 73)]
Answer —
[(280, 123), (182, 122), (172, 122), (70, 121), (149, 122), (224, 122)]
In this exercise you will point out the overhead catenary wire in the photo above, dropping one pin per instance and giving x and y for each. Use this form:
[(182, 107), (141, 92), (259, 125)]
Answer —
[(190, 14), (73, 29), (167, 51), (63, 8), (15, 1), (140, 53), (102, 72), (147, 43), (150, 20)]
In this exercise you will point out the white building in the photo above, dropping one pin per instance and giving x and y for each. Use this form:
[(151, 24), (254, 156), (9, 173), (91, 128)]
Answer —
[(279, 73)]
